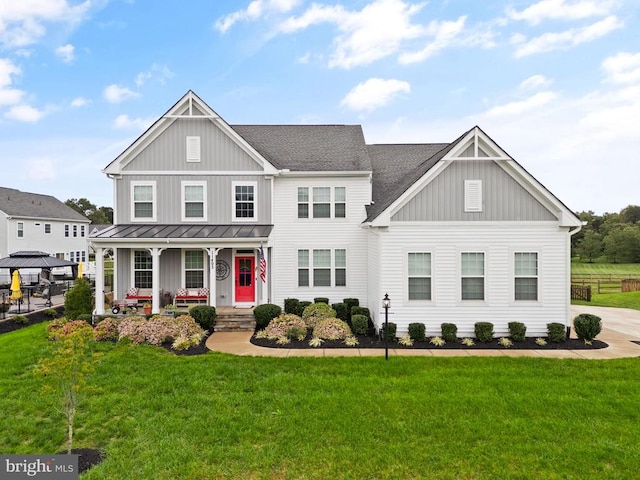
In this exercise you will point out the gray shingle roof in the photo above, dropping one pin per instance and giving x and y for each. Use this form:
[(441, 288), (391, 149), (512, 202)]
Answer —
[(306, 148), (34, 205)]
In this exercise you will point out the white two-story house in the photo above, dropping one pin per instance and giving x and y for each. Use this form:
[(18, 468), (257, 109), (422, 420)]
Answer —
[(36, 222), (246, 214)]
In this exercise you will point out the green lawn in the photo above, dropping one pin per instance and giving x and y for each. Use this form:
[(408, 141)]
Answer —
[(160, 416), (619, 300), (605, 268)]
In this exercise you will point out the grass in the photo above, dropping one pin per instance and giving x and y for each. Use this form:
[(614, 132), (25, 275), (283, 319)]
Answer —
[(605, 268), (618, 300), (160, 416)]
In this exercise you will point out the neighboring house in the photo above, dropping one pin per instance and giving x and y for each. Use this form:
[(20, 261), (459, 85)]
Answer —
[(35, 222), (454, 232)]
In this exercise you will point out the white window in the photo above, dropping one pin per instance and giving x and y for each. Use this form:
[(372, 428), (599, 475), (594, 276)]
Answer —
[(419, 274), (244, 202), (143, 195), (194, 268), (324, 202), (473, 195), (66, 230), (320, 266), (472, 270), (193, 149), (82, 230), (83, 256), (142, 269), (20, 229), (75, 230), (47, 228), (72, 256), (194, 201), (526, 276)]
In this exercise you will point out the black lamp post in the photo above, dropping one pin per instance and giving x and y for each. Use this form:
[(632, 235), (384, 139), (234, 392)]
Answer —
[(386, 303)]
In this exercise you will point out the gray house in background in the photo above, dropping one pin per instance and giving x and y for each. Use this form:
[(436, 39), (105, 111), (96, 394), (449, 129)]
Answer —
[(245, 214), (36, 222)]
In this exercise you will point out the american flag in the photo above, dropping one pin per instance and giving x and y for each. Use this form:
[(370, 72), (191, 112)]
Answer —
[(263, 266)]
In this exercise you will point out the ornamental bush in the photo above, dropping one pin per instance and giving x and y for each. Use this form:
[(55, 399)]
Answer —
[(160, 329), (321, 300), (484, 331), (417, 332), (265, 313), (292, 305), (78, 300), (357, 310), (350, 303), (393, 328), (284, 325), (204, 315), (316, 312), (587, 326), (360, 324), (449, 332), (341, 311), (331, 329), (107, 329), (517, 331), (556, 332)]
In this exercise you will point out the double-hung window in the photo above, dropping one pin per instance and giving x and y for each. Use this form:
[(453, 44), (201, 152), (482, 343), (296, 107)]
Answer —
[(419, 273), (472, 271), (526, 276), (47, 228), (142, 269), (194, 268), (20, 229), (75, 230), (244, 201), (194, 201), (66, 230), (322, 202), (322, 267), (143, 206)]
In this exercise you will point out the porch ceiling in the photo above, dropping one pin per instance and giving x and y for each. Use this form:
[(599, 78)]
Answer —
[(183, 232)]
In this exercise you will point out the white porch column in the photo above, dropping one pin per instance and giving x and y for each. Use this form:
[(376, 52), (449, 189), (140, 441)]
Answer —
[(99, 251), (265, 285), (155, 279), (213, 255)]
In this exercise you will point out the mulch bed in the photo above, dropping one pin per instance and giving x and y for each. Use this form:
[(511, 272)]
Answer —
[(199, 349), (39, 316), (374, 342), (87, 457)]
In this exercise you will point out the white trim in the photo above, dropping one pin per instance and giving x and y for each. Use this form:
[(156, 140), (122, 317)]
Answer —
[(512, 271), (183, 267), (256, 276), (193, 151), (405, 269), (154, 200), (233, 202), (485, 264), (189, 183), (473, 196)]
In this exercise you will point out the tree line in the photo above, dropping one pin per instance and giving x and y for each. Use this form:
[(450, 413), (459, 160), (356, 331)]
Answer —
[(614, 235), (97, 215)]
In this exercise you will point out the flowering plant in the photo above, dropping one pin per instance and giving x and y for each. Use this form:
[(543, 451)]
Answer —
[(332, 329)]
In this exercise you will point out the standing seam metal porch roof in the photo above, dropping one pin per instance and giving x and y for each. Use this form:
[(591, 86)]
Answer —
[(167, 231)]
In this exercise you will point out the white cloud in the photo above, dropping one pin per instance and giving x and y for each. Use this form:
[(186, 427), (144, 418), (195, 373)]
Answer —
[(79, 102), (22, 22), (562, 10), (10, 96), (444, 33), (124, 122), (24, 113), (521, 107), (116, 94), (66, 53), (41, 169), (534, 82), (569, 38), (374, 93), (624, 67), (255, 10), (161, 73)]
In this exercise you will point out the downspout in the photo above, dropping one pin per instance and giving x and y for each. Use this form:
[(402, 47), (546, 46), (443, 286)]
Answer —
[(568, 277)]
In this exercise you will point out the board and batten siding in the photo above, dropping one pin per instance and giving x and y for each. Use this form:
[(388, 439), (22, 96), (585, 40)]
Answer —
[(504, 199), (168, 152), (291, 234), (169, 197), (499, 242)]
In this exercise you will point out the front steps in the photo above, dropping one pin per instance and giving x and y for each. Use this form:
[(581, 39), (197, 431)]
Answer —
[(231, 319)]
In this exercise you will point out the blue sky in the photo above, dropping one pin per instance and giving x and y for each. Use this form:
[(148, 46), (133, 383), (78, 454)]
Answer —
[(556, 83)]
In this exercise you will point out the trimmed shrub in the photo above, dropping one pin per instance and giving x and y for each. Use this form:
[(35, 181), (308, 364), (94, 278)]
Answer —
[(360, 324), (107, 329), (292, 305), (484, 331), (321, 300), (517, 331), (284, 325), (358, 310), (20, 319), (265, 313), (341, 311), (304, 304), (449, 332), (78, 300), (556, 332), (331, 329), (204, 315), (316, 312), (350, 303), (587, 326), (183, 331), (417, 332), (392, 331), (50, 312), (87, 317)]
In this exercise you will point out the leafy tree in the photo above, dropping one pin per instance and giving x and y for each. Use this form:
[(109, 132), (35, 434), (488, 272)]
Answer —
[(630, 214), (623, 244), (97, 215), (79, 300), (590, 246)]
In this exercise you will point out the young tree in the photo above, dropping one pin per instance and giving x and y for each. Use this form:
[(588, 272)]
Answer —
[(590, 246), (78, 300)]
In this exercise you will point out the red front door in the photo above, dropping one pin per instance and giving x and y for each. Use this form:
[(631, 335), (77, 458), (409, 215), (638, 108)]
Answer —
[(245, 290)]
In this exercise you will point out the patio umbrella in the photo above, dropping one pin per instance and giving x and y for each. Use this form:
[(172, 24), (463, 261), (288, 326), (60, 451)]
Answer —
[(16, 292), (80, 270)]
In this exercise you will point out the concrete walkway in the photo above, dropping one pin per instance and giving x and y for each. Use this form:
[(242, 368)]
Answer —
[(620, 327)]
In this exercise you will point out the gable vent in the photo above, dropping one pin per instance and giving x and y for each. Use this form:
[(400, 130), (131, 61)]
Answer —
[(473, 195), (193, 149)]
